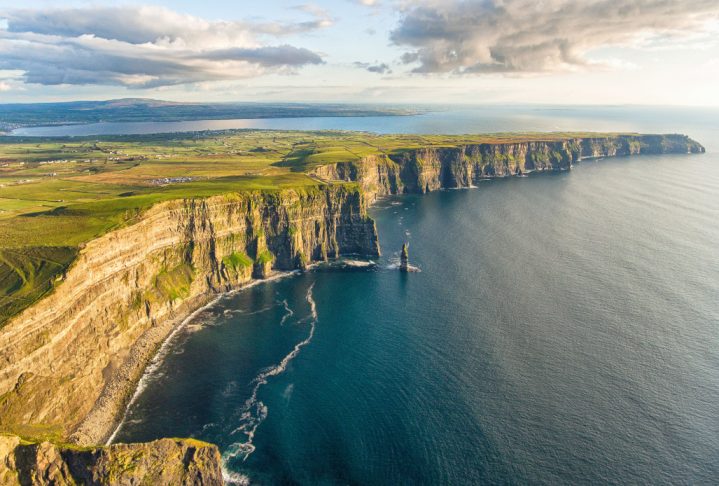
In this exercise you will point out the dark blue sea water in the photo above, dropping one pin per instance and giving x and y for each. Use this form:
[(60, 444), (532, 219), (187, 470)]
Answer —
[(564, 329)]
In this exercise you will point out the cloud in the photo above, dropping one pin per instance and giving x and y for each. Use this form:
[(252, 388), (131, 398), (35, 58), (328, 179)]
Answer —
[(146, 46), (5, 86), (322, 17), (368, 3), (526, 36), (380, 68)]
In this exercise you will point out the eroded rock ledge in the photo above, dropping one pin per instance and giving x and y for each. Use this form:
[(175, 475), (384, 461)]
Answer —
[(422, 170), (164, 461)]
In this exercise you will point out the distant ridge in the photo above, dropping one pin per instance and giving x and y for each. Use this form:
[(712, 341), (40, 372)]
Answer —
[(16, 115), (127, 102)]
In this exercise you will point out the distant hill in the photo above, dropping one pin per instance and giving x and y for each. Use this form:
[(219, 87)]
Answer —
[(144, 109)]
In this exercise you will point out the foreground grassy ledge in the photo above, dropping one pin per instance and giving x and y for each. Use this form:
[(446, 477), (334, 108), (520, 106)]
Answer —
[(164, 461), (107, 244)]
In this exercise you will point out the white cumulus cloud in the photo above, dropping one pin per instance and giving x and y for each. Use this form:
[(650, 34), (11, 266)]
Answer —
[(524, 36), (146, 46)]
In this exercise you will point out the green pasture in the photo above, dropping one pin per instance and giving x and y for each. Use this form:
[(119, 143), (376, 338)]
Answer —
[(58, 193)]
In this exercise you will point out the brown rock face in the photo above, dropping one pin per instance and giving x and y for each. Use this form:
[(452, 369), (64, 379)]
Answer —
[(165, 461), (404, 258), (429, 169), (69, 363)]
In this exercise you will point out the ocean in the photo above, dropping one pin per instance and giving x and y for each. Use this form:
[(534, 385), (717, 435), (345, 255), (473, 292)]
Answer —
[(563, 329)]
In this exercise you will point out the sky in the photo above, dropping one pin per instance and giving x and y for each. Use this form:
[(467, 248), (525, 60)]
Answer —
[(652, 52)]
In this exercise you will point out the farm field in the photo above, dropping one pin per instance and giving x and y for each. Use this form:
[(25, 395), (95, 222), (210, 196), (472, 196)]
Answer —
[(58, 193)]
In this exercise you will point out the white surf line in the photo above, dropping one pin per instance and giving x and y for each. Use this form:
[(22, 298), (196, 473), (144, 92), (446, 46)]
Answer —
[(255, 411), (243, 313), (288, 312), (165, 346), (155, 364)]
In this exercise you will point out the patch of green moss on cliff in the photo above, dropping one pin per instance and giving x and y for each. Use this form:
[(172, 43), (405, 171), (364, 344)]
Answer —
[(557, 156), (174, 283), (27, 274), (264, 257), (34, 433), (237, 261)]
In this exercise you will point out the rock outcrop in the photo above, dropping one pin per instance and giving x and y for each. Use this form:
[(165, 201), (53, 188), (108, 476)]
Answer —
[(69, 364), (404, 259), (164, 461), (423, 170)]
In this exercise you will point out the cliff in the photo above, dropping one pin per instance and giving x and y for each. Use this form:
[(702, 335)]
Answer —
[(165, 461), (69, 364), (428, 169)]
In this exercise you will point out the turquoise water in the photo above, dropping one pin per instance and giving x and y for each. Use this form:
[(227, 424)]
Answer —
[(564, 329)]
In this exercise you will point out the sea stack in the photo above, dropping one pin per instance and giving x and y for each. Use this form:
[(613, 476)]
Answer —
[(404, 258)]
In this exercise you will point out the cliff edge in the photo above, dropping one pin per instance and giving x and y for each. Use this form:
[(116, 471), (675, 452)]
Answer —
[(164, 461), (425, 169), (70, 362)]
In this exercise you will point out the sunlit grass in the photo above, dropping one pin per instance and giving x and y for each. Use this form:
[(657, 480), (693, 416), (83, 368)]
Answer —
[(58, 193)]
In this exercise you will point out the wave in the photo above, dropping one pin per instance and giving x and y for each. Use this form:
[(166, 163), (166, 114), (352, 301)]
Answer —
[(254, 411), (152, 370), (348, 262), (228, 312), (235, 478), (288, 312), (394, 265)]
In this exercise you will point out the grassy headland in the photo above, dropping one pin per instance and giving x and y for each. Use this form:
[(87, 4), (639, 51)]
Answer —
[(58, 193)]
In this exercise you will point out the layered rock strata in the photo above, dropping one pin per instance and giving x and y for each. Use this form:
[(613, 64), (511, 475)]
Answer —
[(164, 461), (428, 169), (69, 364)]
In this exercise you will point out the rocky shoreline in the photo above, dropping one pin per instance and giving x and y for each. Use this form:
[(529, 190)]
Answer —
[(74, 360), (164, 461), (443, 162)]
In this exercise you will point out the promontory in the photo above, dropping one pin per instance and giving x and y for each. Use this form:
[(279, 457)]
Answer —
[(107, 244)]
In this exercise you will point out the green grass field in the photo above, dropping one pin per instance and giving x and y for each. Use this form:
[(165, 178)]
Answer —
[(56, 194)]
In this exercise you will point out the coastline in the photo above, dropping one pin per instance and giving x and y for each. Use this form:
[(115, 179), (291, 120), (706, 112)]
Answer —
[(134, 389), (115, 313), (102, 421)]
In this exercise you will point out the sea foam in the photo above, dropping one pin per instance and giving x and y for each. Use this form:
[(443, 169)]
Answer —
[(152, 370), (255, 411)]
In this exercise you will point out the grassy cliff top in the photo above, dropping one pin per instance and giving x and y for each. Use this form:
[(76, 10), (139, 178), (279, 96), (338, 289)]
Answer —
[(58, 193), (43, 180)]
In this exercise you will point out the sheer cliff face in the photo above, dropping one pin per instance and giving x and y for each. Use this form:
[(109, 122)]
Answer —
[(165, 461), (70, 362), (428, 169)]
